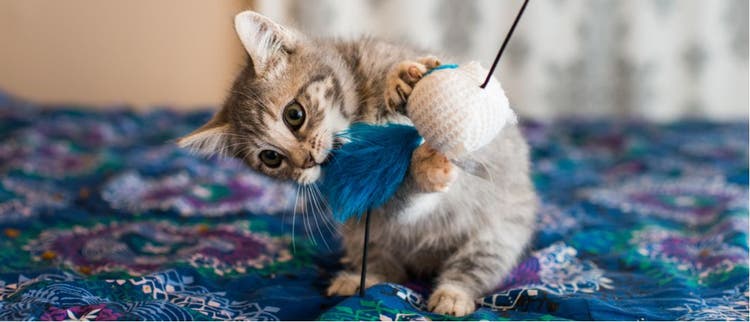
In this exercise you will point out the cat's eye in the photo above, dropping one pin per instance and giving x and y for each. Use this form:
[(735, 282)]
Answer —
[(270, 158), (294, 115)]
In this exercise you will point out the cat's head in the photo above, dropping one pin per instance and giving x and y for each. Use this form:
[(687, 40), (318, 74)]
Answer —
[(284, 108)]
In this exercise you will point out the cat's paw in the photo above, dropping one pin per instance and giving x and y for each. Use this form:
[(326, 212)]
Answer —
[(451, 300), (347, 284), (431, 170), (401, 80)]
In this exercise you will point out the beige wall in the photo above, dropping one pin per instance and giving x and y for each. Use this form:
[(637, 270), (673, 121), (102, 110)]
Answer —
[(174, 52)]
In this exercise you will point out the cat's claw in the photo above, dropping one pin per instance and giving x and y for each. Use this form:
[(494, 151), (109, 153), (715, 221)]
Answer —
[(431, 170), (347, 284), (401, 80), (449, 300)]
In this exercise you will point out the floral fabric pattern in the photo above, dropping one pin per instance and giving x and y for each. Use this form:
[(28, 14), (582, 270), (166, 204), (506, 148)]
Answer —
[(103, 218)]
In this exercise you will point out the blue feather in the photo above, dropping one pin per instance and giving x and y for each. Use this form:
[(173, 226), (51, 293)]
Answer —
[(365, 172)]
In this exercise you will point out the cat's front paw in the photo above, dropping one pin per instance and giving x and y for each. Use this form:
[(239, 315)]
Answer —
[(347, 284), (401, 80), (431, 170), (451, 300)]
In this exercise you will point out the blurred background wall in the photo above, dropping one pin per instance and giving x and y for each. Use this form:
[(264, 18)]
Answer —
[(177, 52), (659, 59), (655, 59)]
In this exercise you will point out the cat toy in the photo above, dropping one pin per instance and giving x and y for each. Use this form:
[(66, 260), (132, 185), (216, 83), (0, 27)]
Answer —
[(450, 110)]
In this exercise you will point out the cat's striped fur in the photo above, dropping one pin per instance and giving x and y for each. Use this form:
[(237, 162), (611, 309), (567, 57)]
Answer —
[(468, 237)]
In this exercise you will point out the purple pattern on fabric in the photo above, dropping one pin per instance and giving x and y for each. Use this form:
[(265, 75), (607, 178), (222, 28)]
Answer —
[(146, 246), (95, 312)]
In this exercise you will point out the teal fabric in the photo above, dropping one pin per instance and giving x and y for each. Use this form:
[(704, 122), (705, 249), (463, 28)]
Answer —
[(102, 217)]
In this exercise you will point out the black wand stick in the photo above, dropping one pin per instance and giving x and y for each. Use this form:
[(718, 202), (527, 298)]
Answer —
[(363, 277), (505, 43)]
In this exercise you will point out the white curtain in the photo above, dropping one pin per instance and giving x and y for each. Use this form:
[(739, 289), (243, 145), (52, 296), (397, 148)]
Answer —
[(653, 59)]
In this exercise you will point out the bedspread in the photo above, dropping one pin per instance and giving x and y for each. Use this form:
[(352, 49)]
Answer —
[(102, 217)]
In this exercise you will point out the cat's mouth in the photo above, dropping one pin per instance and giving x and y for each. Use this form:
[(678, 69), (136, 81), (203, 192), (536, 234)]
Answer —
[(337, 144), (309, 176)]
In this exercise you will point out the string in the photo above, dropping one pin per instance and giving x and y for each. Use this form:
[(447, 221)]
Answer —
[(505, 43), (363, 276)]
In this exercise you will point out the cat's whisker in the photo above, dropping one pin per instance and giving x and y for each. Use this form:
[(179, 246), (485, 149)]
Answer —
[(253, 97), (315, 217), (235, 139), (294, 218), (310, 216), (234, 144), (245, 152), (303, 205), (234, 135), (487, 169), (356, 139), (324, 210), (305, 220), (224, 151), (332, 227), (330, 156)]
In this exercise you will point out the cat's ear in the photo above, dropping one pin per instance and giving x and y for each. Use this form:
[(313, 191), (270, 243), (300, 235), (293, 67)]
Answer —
[(263, 39), (209, 139)]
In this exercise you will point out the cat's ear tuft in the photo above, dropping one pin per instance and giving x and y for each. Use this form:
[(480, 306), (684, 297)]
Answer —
[(209, 139), (263, 39)]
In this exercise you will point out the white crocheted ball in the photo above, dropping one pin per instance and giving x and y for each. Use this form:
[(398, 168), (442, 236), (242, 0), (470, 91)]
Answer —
[(456, 116)]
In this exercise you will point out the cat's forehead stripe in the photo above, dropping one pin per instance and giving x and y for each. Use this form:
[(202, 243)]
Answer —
[(271, 111), (317, 80), (251, 120)]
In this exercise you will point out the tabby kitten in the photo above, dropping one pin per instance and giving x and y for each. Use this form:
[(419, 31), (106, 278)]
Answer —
[(281, 116)]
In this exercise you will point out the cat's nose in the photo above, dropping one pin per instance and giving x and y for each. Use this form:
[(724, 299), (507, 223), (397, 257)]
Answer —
[(309, 162)]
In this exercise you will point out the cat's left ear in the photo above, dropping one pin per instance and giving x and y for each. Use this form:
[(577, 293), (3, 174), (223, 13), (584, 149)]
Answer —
[(209, 139), (263, 39)]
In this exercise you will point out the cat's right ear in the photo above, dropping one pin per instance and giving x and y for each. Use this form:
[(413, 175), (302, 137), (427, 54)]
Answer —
[(209, 139), (263, 39)]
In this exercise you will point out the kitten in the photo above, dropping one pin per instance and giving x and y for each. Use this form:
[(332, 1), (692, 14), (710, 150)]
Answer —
[(281, 116)]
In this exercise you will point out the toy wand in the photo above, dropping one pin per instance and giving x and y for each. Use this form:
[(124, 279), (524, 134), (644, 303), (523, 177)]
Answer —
[(363, 276)]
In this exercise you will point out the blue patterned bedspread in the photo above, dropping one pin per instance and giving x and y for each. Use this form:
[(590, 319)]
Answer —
[(102, 217)]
